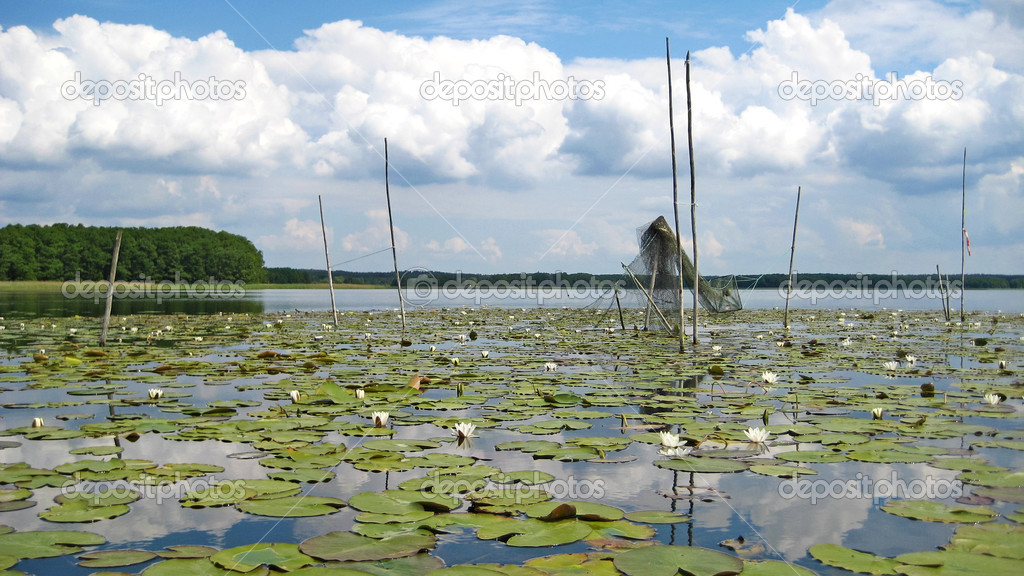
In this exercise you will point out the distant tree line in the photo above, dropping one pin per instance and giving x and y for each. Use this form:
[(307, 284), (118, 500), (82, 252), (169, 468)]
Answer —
[(176, 254), (315, 276)]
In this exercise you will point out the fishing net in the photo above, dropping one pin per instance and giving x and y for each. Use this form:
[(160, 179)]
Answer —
[(654, 274)]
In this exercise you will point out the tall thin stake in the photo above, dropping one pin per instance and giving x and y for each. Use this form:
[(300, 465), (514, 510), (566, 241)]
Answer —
[(675, 200), (792, 252), (391, 225), (693, 201), (963, 236), (327, 255), (110, 290)]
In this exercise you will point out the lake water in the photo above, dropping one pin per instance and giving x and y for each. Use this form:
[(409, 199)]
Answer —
[(218, 390), (53, 303)]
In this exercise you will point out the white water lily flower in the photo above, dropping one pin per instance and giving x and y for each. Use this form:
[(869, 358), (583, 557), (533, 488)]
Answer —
[(37, 422), (198, 338), (484, 353), (847, 342), (676, 452), (876, 413), (463, 338), (454, 361), (360, 393), (760, 336), (550, 367), (670, 440), (769, 377), (993, 399), (294, 394), (891, 365), (433, 348), (716, 348), (464, 429), (911, 360), (756, 435), (1002, 364), (155, 393), (380, 419)]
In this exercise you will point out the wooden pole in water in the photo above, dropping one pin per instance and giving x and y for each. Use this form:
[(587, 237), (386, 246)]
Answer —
[(942, 294), (327, 255), (619, 306), (675, 201), (963, 236), (693, 202), (391, 225), (792, 252), (110, 290)]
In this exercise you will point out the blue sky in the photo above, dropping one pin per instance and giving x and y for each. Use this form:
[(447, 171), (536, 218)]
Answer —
[(549, 183)]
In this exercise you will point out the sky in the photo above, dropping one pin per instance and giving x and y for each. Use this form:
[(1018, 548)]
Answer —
[(526, 136)]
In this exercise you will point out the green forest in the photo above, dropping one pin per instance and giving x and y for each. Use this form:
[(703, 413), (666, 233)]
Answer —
[(175, 254)]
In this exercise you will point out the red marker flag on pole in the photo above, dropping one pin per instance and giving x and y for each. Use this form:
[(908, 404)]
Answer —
[(968, 240)]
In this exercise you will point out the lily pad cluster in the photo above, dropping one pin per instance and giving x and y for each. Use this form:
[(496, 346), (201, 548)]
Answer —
[(548, 389)]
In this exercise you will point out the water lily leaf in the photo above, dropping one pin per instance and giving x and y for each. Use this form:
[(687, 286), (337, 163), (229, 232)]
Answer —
[(887, 456), (774, 568), (956, 564), (187, 551), (578, 564), (852, 560), (80, 511), (938, 512), (583, 510), (278, 555), (403, 445), (656, 517), (292, 506), (811, 456), (528, 477), (998, 479), (114, 558), (781, 471), (527, 445), (351, 546), (1013, 494), (416, 565), (702, 465), (97, 450), (533, 533), (1003, 540), (669, 560), (46, 543), (184, 567)]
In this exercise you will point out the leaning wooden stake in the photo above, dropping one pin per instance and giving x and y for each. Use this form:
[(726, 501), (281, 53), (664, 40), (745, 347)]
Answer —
[(942, 294), (693, 202), (391, 225), (327, 255), (675, 203), (110, 290), (648, 295), (792, 252)]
